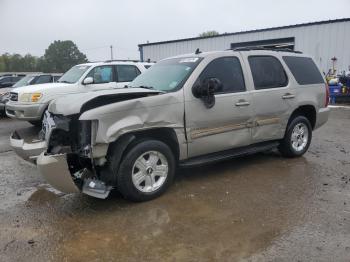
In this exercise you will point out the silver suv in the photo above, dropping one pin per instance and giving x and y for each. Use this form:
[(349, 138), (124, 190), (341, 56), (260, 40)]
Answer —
[(184, 111)]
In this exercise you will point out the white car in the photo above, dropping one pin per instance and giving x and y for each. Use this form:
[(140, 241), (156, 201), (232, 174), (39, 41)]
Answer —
[(30, 102)]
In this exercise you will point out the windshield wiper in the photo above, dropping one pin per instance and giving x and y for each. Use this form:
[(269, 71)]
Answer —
[(64, 81)]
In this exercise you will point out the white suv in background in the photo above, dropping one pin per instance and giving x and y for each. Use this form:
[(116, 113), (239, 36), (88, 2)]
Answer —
[(29, 103)]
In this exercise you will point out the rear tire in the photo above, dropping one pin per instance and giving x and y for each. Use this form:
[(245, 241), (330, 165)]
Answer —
[(146, 170), (297, 138)]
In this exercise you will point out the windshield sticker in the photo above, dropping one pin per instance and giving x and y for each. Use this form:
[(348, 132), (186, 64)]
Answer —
[(189, 60)]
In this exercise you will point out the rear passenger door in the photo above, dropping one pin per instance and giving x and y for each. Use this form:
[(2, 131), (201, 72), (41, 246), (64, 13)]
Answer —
[(272, 97), (125, 74)]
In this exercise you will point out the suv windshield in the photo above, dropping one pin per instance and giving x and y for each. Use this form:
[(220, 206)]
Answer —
[(73, 74), (167, 75), (24, 81)]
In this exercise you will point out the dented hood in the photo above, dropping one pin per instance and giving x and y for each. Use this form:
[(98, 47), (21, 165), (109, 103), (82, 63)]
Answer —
[(81, 102)]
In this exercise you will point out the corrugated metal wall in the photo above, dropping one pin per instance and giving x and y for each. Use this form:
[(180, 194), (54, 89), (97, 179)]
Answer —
[(322, 41)]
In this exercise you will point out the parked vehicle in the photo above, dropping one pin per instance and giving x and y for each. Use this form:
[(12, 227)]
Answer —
[(4, 97), (29, 103), (8, 81), (30, 79), (184, 111)]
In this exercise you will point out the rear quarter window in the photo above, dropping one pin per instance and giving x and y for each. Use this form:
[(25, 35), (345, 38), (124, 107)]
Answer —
[(304, 70)]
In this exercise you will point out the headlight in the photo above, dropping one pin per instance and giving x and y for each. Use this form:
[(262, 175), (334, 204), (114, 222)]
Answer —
[(30, 97)]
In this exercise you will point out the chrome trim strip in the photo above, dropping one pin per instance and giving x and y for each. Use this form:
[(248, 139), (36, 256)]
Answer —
[(267, 121), (200, 132)]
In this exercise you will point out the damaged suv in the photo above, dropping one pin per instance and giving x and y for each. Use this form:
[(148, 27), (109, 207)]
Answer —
[(184, 111)]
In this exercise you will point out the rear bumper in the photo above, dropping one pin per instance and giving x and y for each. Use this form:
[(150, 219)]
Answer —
[(28, 112), (322, 117), (54, 169), (29, 151)]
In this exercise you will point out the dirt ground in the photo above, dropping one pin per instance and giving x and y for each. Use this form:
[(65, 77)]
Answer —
[(257, 208)]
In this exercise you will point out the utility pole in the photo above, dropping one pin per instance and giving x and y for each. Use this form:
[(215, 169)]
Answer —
[(111, 52)]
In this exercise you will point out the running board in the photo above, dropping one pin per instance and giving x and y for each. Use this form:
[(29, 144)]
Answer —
[(229, 154)]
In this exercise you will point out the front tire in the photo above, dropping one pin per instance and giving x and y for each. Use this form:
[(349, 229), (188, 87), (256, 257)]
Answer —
[(297, 138), (146, 171)]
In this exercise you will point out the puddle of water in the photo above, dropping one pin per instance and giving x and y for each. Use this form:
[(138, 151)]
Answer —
[(220, 212)]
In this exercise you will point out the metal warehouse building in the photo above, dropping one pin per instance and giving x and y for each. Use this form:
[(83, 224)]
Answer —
[(323, 40)]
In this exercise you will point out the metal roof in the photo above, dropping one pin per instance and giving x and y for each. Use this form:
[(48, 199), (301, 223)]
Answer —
[(250, 31)]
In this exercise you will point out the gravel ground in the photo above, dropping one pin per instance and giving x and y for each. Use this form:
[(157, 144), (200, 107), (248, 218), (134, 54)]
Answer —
[(258, 208)]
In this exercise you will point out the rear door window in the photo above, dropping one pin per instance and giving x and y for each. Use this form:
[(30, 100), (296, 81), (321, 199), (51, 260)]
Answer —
[(304, 70), (229, 71), (267, 72), (127, 73)]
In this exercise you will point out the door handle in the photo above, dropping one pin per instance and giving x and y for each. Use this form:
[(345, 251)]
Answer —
[(288, 96), (242, 103)]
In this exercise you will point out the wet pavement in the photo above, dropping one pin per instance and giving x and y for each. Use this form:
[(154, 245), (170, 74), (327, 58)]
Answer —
[(257, 208)]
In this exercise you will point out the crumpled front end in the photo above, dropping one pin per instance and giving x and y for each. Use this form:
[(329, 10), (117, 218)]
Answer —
[(67, 164)]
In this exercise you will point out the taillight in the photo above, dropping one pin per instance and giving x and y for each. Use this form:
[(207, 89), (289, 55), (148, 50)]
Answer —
[(327, 96)]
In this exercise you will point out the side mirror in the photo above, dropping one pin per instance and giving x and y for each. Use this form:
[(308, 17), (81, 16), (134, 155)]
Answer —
[(89, 80), (206, 91)]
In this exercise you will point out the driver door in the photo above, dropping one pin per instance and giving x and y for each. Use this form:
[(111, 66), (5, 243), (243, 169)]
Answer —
[(227, 124), (104, 78)]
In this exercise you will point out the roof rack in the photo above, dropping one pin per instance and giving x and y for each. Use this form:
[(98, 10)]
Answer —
[(129, 60), (122, 60), (250, 48)]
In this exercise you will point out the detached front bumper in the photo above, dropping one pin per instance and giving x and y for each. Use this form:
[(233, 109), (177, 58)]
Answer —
[(54, 169), (28, 150), (25, 111)]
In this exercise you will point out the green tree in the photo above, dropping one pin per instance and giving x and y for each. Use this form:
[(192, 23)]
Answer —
[(29, 63), (61, 56), (209, 33), (6, 58), (41, 65), (2, 64)]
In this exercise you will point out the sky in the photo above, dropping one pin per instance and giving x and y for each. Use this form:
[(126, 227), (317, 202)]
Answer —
[(29, 26)]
